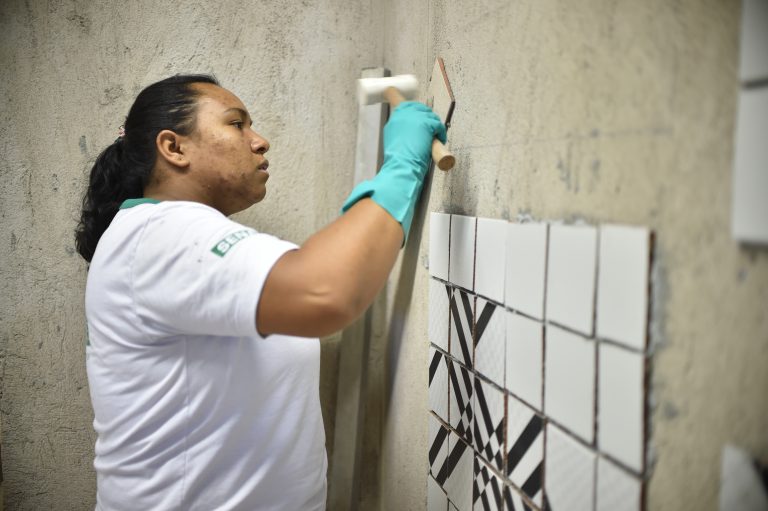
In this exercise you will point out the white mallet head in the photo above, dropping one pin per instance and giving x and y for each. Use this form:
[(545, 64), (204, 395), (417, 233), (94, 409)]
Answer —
[(371, 90)]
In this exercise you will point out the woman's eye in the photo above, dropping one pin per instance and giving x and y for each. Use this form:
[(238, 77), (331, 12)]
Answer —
[(239, 124)]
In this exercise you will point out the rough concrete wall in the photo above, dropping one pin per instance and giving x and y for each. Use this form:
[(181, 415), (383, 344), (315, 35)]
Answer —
[(70, 72), (606, 111)]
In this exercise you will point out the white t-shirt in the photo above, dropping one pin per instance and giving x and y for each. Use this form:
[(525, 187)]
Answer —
[(194, 410)]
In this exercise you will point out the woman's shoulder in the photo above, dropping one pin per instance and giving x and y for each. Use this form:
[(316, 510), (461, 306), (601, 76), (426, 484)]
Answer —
[(180, 208), (172, 214)]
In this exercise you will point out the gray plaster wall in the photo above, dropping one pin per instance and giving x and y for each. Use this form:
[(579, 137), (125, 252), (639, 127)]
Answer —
[(601, 111)]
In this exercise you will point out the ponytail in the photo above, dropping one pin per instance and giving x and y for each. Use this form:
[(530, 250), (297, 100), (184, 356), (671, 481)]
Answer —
[(122, 170)]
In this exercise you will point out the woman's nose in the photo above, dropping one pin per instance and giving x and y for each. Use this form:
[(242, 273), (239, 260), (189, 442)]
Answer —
[(259, 144)]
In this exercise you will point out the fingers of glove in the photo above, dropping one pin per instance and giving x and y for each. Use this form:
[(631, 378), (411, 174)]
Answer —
[(412, 111), (414, 121), (430, 118), (439, 129)]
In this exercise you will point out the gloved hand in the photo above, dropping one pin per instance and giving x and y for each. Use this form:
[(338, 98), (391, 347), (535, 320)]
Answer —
[(407, 150)]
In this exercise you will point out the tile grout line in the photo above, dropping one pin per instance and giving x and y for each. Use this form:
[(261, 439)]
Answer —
[(647, 367), (448, 275), (596, 377), (545, 422)]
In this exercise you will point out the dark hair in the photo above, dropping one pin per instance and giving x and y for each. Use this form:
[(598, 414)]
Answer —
[(122, 170)]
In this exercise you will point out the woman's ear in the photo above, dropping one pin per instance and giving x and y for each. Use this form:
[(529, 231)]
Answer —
[(169, 148)]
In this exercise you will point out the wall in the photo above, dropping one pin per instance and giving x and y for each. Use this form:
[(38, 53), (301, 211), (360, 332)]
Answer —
[(604, 111), (70, 72)]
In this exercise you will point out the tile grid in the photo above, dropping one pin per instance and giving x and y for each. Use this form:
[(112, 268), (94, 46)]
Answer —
[(507, 395), (547, 323), (521, 496)]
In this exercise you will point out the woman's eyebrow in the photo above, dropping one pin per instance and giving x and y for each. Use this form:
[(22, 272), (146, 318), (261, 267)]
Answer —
[(238, 110)]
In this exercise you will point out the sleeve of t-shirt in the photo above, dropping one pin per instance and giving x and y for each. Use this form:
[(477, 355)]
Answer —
[(199, 273)]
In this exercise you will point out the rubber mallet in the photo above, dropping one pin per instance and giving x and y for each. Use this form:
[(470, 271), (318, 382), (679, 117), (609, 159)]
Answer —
[(395, 90)]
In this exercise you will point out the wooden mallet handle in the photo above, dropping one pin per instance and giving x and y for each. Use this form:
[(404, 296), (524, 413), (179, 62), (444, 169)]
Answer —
[(440, 154)]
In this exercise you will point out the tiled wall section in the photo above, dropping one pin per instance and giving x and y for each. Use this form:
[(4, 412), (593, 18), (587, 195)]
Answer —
[(537, 365)]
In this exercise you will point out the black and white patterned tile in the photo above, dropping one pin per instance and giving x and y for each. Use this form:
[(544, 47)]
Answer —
[(438, 383), (487, 492), (460, 400), (490, 341), (438, 450), (488, 427), (462, 323), (459, 480), (513, 500), (525, 444)]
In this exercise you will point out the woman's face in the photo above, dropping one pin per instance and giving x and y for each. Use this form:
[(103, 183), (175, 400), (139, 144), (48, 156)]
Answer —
[(226, 156)]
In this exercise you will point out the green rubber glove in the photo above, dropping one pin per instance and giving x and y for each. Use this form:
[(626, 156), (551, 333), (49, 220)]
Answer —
[(407, 151)]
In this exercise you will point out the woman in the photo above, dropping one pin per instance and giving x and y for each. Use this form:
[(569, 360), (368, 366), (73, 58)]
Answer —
[(203, 351)]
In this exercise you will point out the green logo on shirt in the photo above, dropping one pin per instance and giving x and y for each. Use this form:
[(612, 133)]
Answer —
[(222, 247)]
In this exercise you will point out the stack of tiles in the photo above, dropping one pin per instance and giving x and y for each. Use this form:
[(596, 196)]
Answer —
[(537, 365)]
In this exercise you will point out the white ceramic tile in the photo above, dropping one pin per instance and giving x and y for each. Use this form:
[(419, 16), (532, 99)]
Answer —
[(569, 472), (513, 500), (462, 322), (616, 489), (750, 168), (524, 358), (488, 427), (570, 381), (438, 449), (490, 258), (754, 40), (622, 284), (437, 500), (439, 232), (460, 480), (451, 507), (621, 405), (439, 312), (438, 383), (462, 258), (460, 400), (525, 449), (488, 488), (526, 267), (490, 326), (571, 276)]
